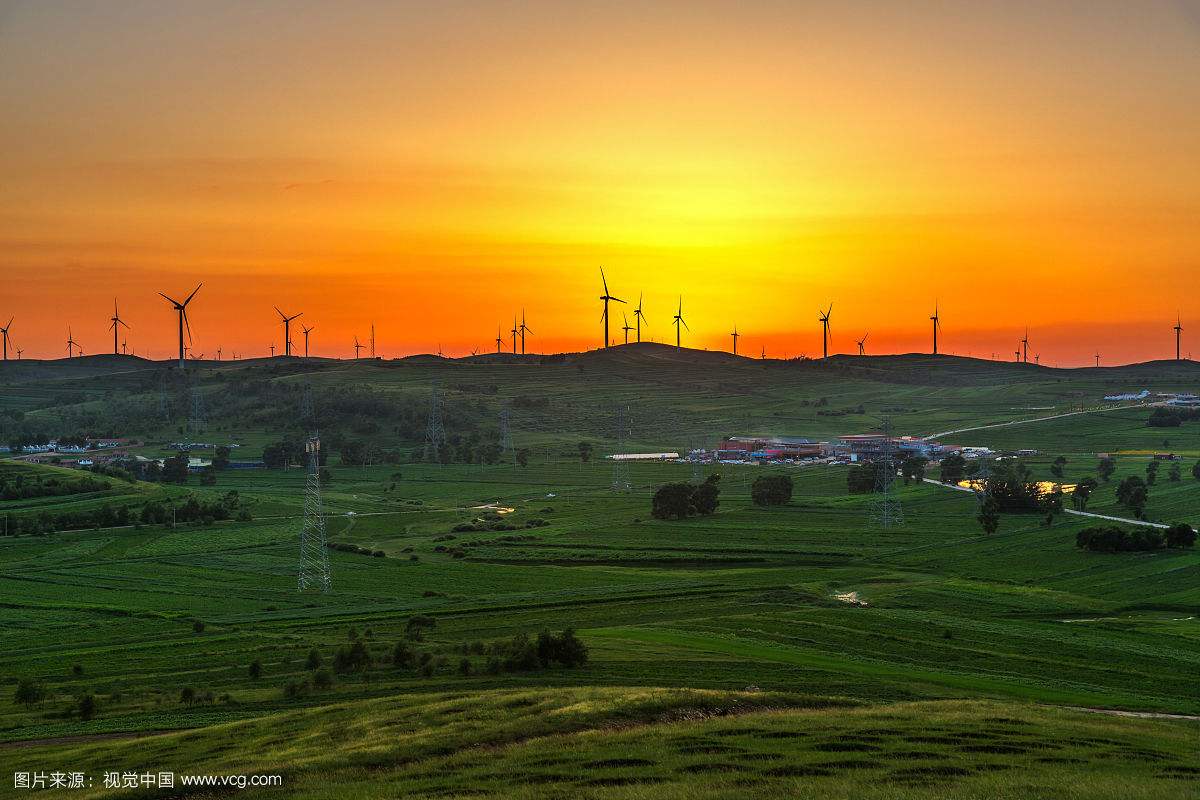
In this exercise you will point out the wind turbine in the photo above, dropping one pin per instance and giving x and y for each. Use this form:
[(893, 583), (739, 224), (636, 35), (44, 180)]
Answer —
[(183, 320), (1097, 358), (514, 333), (4, 332), (679, 321), (606, 297), (72, 344), (287, 330), (638, 316), (357, 348), (1178, 330), (823, 318), (499, 340), (117, 322), (272, 349), (862, 351), (19, 351), (764, 353), (124, 347), (937, 323), (735, 336), (1025, 345), (218, 353), (626, 327), (307, 331), (524, 329)]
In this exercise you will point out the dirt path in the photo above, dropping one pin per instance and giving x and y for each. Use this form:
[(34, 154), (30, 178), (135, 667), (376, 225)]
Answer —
[(1115, 712), (1035, 419)]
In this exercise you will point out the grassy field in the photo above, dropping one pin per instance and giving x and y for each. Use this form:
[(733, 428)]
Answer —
[(725, 658)]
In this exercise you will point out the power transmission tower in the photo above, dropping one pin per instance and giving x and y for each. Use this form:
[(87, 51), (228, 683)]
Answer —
[(886, 511), (506, 440), (308, 410), (620, 474), (435, 432), (314, 555), (197, 421)]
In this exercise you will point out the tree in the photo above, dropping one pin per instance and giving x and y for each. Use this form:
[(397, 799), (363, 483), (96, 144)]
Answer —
[(1056, 469), (29, 692), (705, 496), (771, 490), (1196, 470), (256, 669), (175, 469), (1181, 535), (313, 662), (324, 476), (417, 624), (1106, 468), (221, 458), (1052, 505), (522, 457), (953, 467), (913, 468), (989, 515), (1173, 474), (208, 476), (88, 707), (1151, 473), (585, 452), (672, 501), (1133, 493), (1083, 491)]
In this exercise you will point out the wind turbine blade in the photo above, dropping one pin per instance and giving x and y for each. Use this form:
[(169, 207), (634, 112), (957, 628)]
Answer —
[(529, 331), (193, 294), (604, 281), (186, 324), (280, 313), (10, 321), (685, 325), (616, 300), (126, 324), (168, 299)]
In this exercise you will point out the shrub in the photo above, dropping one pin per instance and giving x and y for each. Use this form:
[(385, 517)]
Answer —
[(187, 695), (313, 661), (355, 657), (29, 692), (256, 669), (1181, 535), (464, 666), (771, 490), (88, 707), (323, 679), (198, 626), (1111, 539)]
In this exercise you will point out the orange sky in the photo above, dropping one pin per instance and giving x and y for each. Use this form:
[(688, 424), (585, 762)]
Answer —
[(435, 167)]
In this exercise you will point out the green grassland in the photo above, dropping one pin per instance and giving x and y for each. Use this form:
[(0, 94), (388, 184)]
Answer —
[(724, 658)]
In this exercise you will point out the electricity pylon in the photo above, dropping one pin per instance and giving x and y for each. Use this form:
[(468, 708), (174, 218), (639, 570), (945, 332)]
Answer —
[(886, 511), (620, 474), (506, 440), (197, 421), (435, 432), (314, 554)]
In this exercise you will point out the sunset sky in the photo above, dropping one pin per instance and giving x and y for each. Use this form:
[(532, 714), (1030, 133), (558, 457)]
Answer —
[(438, 166)]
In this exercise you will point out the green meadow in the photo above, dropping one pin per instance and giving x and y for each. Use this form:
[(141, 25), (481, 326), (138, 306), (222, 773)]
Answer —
[(797, 649)]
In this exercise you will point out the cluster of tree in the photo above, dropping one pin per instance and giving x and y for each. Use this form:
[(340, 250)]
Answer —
[(913, 468), (105, 516), (1133, 493), (952, 469), (1172, 417), (194, 509), (1111, 539), (16, 487), (346, 547), (286, 453), (771, 490), (1012, 486), (682, 500)]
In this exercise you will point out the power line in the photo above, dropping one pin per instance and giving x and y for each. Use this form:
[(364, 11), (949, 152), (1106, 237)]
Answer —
[(886, 510)]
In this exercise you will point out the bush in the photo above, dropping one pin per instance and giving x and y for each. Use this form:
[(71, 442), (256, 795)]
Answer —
[(187, 695), (1181, 535), (355, 657), (198, 627), (313, 661), (771, 490), (256, 669), (1111, 539), (323, 679), (29, 692), (88, 707), (682, 500)]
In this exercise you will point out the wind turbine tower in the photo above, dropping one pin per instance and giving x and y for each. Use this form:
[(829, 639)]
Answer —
[(4, 332), (306, 330), (862, 350), (499, 340), (1025, 346), (823, 318), (638, 317), (626, 327), (937, 323), (735, 336), (524, 329), (678, 322), (287, 329), (1178, 331), (606, 297), (514, 332), (117, 322), (72, 344), (357, 347), (181, 309)]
